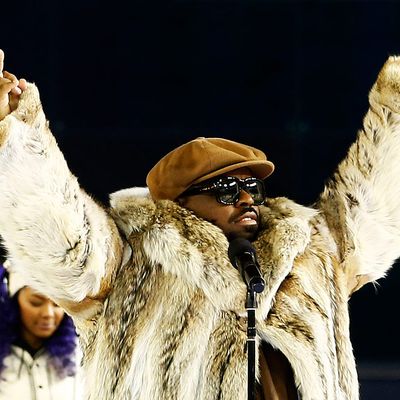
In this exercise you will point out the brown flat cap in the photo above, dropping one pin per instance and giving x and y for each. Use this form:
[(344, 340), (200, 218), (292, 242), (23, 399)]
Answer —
[(202, 159)]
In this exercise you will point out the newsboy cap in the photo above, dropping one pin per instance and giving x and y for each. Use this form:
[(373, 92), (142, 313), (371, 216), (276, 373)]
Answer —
[(202, 159)]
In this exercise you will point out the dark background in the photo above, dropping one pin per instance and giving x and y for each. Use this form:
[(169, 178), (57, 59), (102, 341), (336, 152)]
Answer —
[(124, 82)]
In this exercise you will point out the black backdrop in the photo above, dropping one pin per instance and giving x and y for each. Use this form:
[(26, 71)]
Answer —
[(124, 82)]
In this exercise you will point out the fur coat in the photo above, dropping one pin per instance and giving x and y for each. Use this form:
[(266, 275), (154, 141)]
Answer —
[(159, 308)]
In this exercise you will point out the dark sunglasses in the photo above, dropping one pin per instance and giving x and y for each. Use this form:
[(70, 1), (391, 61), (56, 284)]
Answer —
[(227, 189)]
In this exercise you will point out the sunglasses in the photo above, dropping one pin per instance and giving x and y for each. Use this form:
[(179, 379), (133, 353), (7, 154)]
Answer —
[(227, 189)]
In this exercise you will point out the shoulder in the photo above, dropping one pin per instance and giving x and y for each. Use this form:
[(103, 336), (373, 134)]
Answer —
[(134, 211), (280, 215), (132, 208), (285, 227)]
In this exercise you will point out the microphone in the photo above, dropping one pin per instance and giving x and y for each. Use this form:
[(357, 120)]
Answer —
[(242, 255)]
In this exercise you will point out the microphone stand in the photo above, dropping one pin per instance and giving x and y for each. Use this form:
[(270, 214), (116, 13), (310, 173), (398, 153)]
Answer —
[(251, 305), (242, 255)]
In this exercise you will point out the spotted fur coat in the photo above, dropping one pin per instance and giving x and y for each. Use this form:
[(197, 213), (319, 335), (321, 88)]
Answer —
[(159, 308)]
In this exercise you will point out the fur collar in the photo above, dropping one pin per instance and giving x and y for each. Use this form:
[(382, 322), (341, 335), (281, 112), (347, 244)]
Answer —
[(196, 250)]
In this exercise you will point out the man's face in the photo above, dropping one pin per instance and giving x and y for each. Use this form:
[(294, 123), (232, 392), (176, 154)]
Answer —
[(239, 220)]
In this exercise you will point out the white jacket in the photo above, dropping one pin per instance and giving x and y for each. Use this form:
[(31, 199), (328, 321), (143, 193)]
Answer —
[(31, 378)]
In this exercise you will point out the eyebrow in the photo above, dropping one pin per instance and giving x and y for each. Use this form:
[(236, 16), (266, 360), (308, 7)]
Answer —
[(39, 296)]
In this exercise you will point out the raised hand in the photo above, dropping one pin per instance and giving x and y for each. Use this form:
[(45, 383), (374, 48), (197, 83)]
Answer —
[(10, 89)]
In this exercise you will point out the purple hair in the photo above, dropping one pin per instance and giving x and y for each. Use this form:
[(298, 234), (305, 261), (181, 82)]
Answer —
[(60, 346)]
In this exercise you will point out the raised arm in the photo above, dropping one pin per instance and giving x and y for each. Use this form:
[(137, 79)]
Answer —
[(362, 200), (66, 245), (10, 89)]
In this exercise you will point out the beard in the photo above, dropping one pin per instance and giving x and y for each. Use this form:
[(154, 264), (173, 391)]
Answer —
[(249, 232)]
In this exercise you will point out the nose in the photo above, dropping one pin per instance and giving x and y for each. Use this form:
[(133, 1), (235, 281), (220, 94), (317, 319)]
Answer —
[(47, 310), (244, 199)]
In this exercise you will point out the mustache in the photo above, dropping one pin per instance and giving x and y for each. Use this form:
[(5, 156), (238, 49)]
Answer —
[(244, 211)]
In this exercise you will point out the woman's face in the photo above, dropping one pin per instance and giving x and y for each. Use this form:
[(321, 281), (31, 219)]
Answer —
[(39, 315)]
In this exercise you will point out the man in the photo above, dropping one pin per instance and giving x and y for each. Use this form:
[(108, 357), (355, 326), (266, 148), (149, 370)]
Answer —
[(159, 308)]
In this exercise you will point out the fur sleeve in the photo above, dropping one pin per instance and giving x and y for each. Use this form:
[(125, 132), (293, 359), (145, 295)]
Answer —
[(362, 200), (54, 232)]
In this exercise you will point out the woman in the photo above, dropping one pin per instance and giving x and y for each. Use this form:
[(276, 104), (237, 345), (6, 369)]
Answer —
[(37, 345)]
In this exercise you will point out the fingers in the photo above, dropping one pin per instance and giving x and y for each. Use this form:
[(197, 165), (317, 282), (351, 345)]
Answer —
[(13, 86), (15, 94), (10, 89), (8, 86), (13, 102), (1, 62), (22, 84), (10, 76)]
